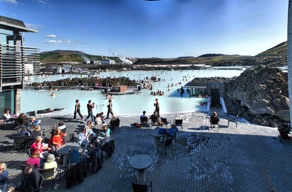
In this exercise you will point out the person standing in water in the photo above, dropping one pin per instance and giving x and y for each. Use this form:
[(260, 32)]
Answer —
[(77, 109)]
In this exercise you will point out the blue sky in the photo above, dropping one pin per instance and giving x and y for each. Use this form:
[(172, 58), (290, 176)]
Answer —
[(139, 28)]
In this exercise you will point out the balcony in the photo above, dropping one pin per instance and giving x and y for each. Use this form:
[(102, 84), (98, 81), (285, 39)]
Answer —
[(13, 62)]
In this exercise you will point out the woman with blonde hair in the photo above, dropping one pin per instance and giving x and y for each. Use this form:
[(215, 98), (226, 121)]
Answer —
[(37, 131)]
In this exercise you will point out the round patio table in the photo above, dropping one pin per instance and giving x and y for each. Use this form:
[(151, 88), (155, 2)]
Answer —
[(140, 163), (156, 135)]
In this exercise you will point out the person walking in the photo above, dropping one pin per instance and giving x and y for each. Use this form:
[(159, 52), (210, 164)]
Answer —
[(157, 108), (77, 109), (90, 107), (109, 109)]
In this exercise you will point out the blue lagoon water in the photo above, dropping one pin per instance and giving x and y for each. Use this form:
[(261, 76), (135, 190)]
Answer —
[(132, 104)]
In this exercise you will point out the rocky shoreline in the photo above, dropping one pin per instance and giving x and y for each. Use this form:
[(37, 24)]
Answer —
[(260, 96)]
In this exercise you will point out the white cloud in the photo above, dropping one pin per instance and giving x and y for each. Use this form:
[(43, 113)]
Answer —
[(54, 42), (51, 36)]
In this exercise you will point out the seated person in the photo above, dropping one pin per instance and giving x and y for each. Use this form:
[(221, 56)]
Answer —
[(3, 173), (34, 122), (74, 157), (61, 125), (57, 140), (154, 117), (98, 120), (83, 139), (23, 119), (159, 122), (172, 131), (106, 134), (102, 117), (89, 130), (51, 163), (30, 181), (41, 147), (144, 116), (24, 132), (36, 131), (92, 153), (34, 159), (214, 119), (6, 115)]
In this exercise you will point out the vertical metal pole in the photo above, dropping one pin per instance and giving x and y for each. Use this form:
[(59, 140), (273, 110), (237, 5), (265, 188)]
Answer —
[(289, 57)]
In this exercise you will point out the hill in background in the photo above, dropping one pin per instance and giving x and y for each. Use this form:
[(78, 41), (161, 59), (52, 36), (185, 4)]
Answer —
[(278, 50), (275, 56), (58, 56)]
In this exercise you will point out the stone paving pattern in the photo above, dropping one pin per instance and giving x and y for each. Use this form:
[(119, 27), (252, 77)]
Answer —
[(246, 158)]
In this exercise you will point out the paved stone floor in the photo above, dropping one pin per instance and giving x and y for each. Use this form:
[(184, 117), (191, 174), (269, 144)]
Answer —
[(246, 158)]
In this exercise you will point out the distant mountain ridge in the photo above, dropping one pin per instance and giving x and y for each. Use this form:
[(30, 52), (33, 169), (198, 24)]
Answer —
[(274, 56), (57, 56)]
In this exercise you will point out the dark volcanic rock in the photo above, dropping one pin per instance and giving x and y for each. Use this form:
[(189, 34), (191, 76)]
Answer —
[(259, 95)]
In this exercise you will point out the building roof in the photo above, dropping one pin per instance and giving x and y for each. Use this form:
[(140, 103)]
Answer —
[(14, 25), (206, 80)]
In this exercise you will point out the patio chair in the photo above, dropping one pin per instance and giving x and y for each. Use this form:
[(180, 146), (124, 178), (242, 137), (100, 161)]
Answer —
[(144, 121), (115, 123), (95, 162), (141, 187), (168, 144), (153, 120), (164, 120), (28, 142), (19, 142), (41, 180), (179, 122), (49, 175)]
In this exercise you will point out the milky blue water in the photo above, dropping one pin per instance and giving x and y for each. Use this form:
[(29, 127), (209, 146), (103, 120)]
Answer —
[(133, 104)]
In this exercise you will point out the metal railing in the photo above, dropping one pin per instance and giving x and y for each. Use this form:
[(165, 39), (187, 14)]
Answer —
[(13, 62)]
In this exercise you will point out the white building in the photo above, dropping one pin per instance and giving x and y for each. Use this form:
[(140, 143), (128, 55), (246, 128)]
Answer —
[(107, 62)]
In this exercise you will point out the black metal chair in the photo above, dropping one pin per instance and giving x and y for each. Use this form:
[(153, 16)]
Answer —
[(41, 180), (96, 162), (164, 120), (144, 122), (28, 142), (153, 120), (19, 142), (49, 175), (179, 122), (115, 123), (167, 144), (141, 187)]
